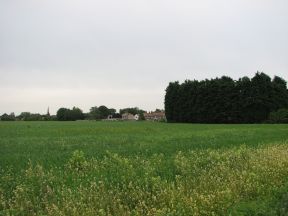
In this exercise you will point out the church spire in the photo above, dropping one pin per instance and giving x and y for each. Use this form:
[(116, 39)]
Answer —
[(48, 113)]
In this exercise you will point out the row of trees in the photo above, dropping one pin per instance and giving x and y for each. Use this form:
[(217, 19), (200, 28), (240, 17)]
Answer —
[(95, 113), (66, 114), (223, 100), (26, 116)]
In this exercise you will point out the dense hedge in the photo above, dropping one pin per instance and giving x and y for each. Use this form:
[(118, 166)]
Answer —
[(224, 100)]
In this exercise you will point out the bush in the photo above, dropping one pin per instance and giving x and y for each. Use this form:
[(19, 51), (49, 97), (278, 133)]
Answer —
[(237, 181)]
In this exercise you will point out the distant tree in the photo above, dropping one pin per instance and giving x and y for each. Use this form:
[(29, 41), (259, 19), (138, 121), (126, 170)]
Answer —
[(47, 117), (101, 112), (94, 113), (34, 117), (24, 116), (104, 112), (131, 110), (53, 118), (27, 116), (64, 114), (76, 114), (87, 116), (6, 117)]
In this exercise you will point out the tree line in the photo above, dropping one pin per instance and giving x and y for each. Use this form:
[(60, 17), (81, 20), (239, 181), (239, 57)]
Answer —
[(224, 100), (26, 116), (66, 114), (95, 113)]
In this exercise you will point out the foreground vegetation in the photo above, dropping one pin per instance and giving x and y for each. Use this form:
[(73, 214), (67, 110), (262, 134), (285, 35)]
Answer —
[(142, 168)]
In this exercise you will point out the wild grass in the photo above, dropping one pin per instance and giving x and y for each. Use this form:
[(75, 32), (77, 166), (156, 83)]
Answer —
[(139, 168)]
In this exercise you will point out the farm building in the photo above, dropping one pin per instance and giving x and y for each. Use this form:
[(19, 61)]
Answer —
[(154, 116), (128, 116)]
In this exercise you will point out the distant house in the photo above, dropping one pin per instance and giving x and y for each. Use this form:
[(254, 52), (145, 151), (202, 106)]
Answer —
[(154, 116), (128, 116)]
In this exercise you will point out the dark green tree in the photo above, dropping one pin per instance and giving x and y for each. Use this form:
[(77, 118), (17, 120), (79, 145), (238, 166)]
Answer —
[(101, 112), (24, 116), (75, 114), (171, 102), (64, 114), (104, 112), (94, 113), (223, 100), (6, 117)]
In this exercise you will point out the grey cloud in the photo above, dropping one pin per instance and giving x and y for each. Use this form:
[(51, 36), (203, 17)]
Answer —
[(133, 46)]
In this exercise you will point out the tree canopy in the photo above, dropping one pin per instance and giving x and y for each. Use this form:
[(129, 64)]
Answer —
[(223, 100), (132, 110), (101, 112), (64, 114)]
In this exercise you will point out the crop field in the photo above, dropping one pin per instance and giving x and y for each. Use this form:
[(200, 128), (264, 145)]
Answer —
[(142, 168)]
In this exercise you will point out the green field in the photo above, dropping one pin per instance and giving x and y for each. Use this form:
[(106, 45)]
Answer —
[(142, 168)]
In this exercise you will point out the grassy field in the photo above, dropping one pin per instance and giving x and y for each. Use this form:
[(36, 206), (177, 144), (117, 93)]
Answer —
[(142, 168)]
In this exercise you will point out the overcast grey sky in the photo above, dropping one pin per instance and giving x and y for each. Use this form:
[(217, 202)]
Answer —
[(64, 53)]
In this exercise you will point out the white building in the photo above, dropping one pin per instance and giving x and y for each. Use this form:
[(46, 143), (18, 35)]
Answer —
[(128, 116)]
